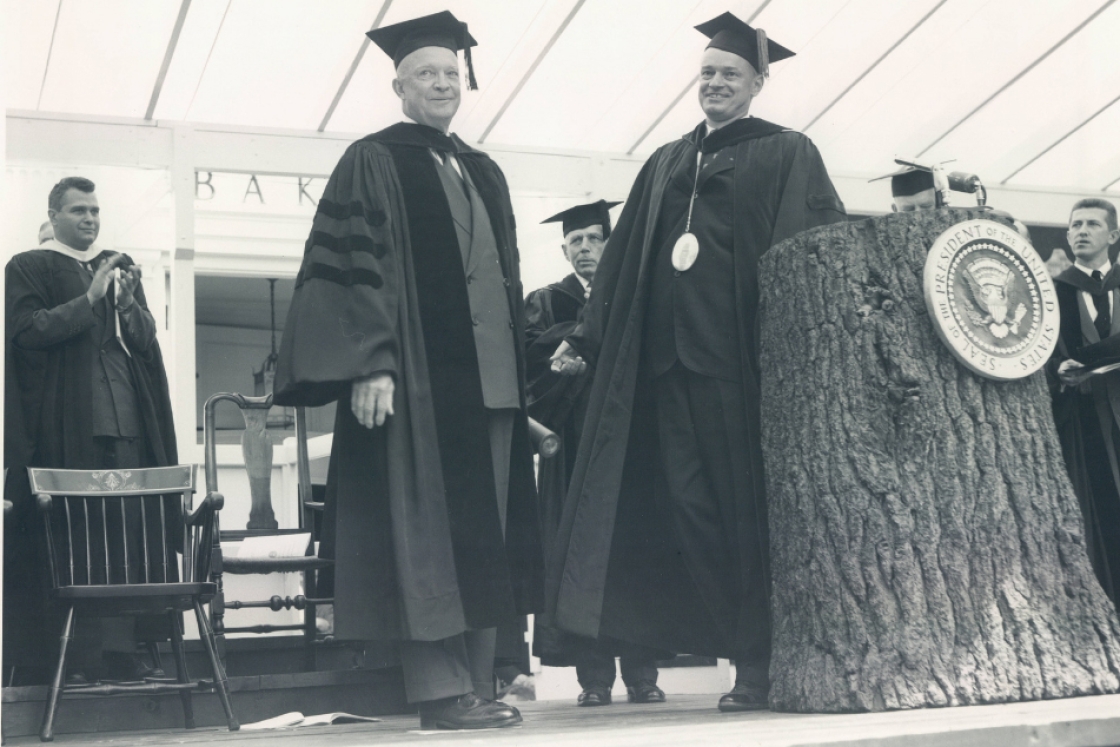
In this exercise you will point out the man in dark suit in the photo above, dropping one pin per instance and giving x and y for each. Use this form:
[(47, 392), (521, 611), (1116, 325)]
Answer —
[(560, 403), (1085, 384), (86, 389)]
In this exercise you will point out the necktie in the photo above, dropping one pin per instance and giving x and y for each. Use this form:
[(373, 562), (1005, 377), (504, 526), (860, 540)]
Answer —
[(587, 291), (1103, 322), (446, 165), (111, 302)]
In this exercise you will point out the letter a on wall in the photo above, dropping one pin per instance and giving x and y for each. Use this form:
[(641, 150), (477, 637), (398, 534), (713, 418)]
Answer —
[(253, 189)]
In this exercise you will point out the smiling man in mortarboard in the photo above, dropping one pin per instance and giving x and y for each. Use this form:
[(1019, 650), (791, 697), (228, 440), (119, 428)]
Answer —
[(664, 536), (408, 312)]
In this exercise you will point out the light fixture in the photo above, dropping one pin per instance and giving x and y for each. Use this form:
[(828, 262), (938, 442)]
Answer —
[(278, 417)]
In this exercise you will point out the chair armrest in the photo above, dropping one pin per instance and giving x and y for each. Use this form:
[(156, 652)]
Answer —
[(544, 441), (213, 502), (314, 506)]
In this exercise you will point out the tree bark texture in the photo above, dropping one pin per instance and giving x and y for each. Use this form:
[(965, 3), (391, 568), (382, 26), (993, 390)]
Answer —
[(927, 546)]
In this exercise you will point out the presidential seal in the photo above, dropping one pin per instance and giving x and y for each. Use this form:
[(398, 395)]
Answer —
[(991, 299)]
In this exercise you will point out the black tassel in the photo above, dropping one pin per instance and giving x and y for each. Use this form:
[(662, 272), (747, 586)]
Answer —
[(472, 84), (763, 53)]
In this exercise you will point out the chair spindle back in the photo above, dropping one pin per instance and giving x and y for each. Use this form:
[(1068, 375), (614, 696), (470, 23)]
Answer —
[(116, 521)]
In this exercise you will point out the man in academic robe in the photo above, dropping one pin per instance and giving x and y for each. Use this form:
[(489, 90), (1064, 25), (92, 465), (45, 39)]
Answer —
[(913, 189), (1086, 392), (85, 388), (408, 311), (663, 541), (560, 403)]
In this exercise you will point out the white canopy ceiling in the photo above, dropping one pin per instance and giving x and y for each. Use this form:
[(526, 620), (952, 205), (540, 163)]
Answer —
[(1023, 92)]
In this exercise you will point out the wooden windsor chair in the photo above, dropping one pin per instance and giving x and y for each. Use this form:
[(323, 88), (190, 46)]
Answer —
[(112, 549)]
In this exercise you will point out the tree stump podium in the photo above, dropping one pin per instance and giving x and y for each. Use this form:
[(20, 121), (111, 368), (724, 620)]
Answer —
[(927, 548)]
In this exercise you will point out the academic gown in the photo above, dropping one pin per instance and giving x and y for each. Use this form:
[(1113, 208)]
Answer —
[(1087, 418), (621, 575), (411, 517), (559, 403), (50, 346)]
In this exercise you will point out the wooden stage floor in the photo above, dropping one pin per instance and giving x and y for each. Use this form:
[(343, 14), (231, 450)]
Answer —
[(692, 720)]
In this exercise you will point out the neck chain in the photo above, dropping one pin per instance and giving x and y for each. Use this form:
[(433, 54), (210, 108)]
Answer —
[(687, 248)]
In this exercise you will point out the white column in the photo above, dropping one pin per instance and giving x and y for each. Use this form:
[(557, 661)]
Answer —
[(180, 302), (154, 265)]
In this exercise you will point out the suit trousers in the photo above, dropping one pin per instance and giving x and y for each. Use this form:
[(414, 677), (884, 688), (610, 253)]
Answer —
[(463, 663), (704, 448), (595, 662)]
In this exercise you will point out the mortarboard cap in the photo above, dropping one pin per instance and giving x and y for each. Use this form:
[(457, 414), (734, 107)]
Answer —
[(732, 35), (582, 216), (909, 181), (437, 30)]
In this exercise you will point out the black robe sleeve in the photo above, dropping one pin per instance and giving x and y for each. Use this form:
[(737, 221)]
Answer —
[(809, 198), (549, 394), (35, 322), (1100, 354), (342, 323), (538, 321)]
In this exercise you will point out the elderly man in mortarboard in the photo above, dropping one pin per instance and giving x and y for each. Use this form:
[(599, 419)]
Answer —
[(560, 403), (663, 540), (913, 189), (408, 312)]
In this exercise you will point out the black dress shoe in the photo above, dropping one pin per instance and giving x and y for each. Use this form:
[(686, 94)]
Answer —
[(121, 667), (745, 698), (596, 695), (645, 692), (79, 678), (468, 712)]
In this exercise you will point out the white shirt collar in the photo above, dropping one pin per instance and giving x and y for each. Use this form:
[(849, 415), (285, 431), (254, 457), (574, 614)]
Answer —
[(708, 128), (57, 246), (435, 153), (410, 120), (1103, 267), (584, 283)]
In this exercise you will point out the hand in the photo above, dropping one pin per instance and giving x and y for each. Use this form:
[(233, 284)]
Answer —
[(371, 399), (1072, 373), (126, 287), (566, 362), (101, 279)]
